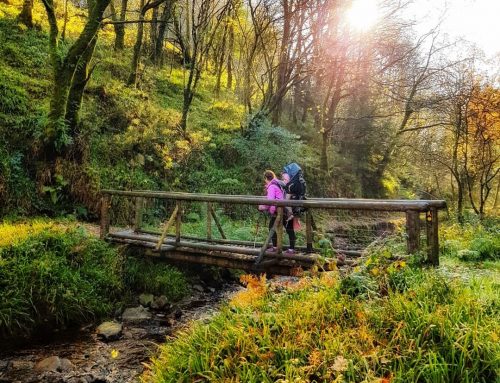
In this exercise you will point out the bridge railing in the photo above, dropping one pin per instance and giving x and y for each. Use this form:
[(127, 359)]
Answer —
[(413, 210)]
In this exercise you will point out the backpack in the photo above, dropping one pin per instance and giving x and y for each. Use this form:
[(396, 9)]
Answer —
[(297, 186)]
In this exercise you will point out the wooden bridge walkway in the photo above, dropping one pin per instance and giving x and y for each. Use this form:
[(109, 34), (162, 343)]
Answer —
[(248, 255)]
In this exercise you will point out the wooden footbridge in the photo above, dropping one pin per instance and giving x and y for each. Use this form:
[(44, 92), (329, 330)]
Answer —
[(248, 255)]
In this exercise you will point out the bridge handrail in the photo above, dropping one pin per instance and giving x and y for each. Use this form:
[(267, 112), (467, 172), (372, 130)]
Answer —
[(322, 203)]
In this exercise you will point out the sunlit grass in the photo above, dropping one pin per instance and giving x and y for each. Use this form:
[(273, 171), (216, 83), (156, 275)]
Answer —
[(428, 327)]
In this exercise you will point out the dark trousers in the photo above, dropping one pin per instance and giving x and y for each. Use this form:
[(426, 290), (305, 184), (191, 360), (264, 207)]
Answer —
[(289, 230)]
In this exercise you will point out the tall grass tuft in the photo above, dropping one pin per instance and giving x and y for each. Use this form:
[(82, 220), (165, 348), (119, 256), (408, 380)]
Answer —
[(53, 275), (424, 328)]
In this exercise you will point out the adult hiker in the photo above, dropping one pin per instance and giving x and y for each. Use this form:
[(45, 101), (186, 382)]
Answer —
[(275, 191)]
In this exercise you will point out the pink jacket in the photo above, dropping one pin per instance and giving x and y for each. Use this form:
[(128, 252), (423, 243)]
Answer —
[(273, 192)]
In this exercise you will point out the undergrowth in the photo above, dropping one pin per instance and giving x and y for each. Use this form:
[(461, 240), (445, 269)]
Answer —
[(54, 276), (388, 321)]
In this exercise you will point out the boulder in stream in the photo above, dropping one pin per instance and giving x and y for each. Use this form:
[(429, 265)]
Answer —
[(109, 330), (160, 303), (136, 315), (146, 299), (54, 364)]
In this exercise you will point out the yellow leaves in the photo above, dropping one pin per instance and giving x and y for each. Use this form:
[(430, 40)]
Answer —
[(256, 289), (14, 233), (340, 364), (114, 353), (315, 358)]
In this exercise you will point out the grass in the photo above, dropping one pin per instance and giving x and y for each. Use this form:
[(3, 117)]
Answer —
[(387, 321), (55, 275)]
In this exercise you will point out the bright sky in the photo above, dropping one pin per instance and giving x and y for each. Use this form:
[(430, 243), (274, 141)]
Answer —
[(477, 21)]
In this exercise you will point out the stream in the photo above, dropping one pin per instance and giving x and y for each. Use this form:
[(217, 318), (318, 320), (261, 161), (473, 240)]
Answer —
[(83, 356)]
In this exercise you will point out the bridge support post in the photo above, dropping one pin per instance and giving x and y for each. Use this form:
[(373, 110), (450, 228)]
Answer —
[(309, 233), (412, 231), (178, 222), (139, 207), (209, 220), (279, 230), (105, 204), (432, 236)]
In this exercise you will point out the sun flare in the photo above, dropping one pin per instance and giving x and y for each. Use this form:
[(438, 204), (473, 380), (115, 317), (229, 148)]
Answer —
[(363, 14)]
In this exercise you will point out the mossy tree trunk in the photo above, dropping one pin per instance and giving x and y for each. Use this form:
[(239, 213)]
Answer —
[(75, 97), (118, 24), (57, 137)]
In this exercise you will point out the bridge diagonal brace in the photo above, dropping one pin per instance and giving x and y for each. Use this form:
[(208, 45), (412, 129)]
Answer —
[(167, 226), (217, 222), (278, 221)]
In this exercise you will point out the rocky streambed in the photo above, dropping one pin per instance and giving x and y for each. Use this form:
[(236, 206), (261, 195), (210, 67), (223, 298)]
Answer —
[(115, 351)]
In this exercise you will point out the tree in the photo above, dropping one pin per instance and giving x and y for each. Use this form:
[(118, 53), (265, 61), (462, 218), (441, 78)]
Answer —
[(64, 65), (482, 145), (202, 19), (26, 14), (144, 8), (119, 23)]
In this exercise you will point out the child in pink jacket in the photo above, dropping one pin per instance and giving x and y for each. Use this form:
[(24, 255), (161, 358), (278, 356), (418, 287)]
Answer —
[(274, 190)]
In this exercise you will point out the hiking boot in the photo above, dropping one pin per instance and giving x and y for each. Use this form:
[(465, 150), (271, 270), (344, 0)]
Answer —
[(290, 252), (272, 250)]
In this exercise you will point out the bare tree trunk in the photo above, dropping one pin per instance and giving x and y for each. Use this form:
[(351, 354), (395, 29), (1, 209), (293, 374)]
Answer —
[(220, 59), (230, 49), (162, 30), (65, 22), (283, 63), (26, 15), (132, 80), (153, 31), (119, 27), (324, 152)]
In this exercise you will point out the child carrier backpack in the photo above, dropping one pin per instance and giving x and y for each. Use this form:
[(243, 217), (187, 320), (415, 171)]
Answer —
[(297, 186)]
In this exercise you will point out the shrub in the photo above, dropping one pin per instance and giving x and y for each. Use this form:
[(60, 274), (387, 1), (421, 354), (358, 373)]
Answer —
[(469, 255), (434, 331), (487, 247), (148, 276), (54, 276)]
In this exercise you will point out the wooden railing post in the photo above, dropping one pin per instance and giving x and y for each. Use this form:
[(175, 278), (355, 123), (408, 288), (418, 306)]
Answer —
[(209, 220), (412, 231), (432, 236), (178, 222), (309, 232), (105, 204), (139, 208), (279, 230)]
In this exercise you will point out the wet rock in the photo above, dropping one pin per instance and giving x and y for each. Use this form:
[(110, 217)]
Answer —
[(160, 303), (177, 314), (146, 299), (52, 363), (66, 365), (136, 315), (20, 365), (109, 330), (198, 288)]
